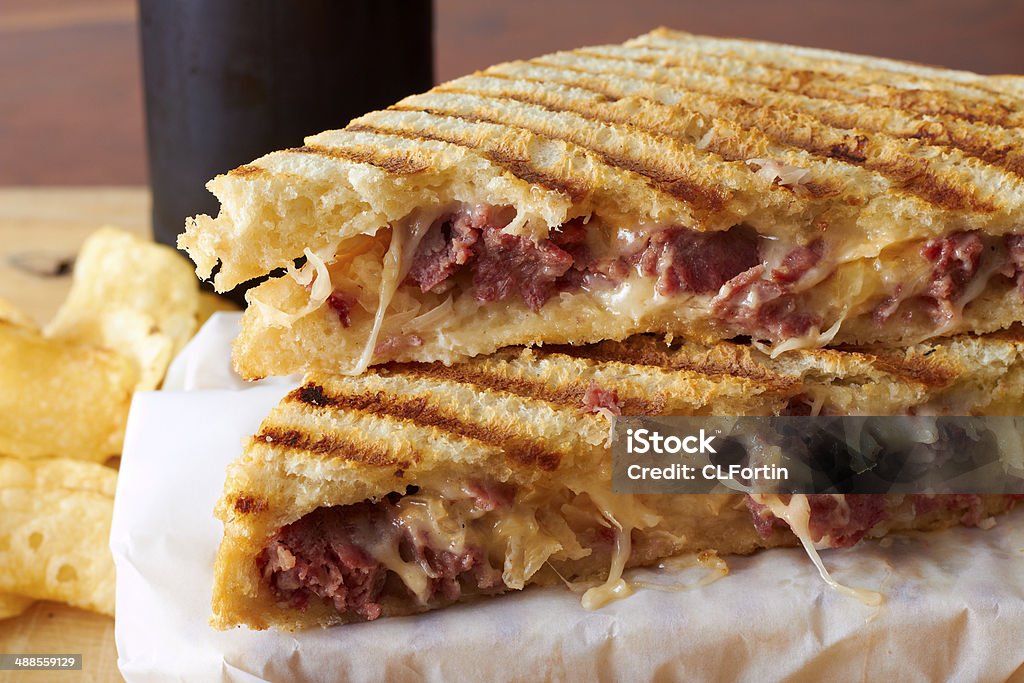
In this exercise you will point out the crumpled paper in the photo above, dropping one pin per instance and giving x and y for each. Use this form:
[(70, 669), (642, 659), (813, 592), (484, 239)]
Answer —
[(954, 605)]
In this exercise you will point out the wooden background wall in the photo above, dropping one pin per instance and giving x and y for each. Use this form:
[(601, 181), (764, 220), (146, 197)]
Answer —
[(70, 91)]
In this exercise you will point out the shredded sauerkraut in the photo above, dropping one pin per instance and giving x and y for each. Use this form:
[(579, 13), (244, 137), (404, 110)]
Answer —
[(811, 340), (705, 139), (315, 277), (434, 319), (771, 170)]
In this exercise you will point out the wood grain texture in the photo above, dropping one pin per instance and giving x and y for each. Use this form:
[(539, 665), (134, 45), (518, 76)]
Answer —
[(43, 226), (50, 628), (70, 84), (70, 93), (982, 35)]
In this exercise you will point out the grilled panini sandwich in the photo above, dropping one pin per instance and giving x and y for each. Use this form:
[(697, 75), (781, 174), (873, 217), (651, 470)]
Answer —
[(414, 486), (674, 184)]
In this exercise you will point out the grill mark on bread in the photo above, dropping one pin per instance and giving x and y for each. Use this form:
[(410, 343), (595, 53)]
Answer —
[(420, 411), (951, 193), (841, 87), (917, 180), (868, 70), (1005, 156), (246, 505), (394, 162), (861, 118), (249, 171), (678, 186), (520, 168), (725, 360), (706, 198), (909, 175), (913, 177), (565, 396), (575, 189), (331, 445), (993, 147), (917, 368)]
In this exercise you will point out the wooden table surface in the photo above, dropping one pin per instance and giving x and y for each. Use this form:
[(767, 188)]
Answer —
[(39, 226), (42, 226)]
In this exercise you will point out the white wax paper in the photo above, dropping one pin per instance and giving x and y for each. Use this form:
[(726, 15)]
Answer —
[(954, 607)]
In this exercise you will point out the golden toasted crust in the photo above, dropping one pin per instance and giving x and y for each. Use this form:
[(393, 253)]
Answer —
[(964, 375), (669, 129), (520, 417), (655, 131)]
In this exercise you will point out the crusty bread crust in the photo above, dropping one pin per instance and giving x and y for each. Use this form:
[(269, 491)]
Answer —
[(669, 129), (517, 417), (653, 132)]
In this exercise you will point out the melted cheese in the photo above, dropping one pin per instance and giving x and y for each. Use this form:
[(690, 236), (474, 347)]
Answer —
[(864, 281), (424, 517), (526, 548), (405, 238), (975, 287), (636, 297), (623, 513), (715, 566), (797, 514), (615, 587), (412, 575)]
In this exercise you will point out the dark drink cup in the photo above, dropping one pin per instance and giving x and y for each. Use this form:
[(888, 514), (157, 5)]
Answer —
[(229, 80)]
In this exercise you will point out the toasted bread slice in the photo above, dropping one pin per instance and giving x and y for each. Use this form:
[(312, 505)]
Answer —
[(674, 184), (415, 486), (954, 125)]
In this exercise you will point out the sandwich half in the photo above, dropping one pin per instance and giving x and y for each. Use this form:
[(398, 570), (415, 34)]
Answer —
[(674, 184), (415, 486)]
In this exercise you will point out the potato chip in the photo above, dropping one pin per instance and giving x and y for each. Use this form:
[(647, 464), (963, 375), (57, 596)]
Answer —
[(12, 314), (133, 296), (12, 605), (61, 399), (54, 524)]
